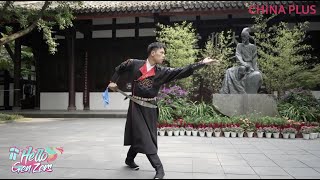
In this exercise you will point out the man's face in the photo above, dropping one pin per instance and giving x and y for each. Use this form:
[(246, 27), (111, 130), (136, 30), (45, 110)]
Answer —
[(158, 55)]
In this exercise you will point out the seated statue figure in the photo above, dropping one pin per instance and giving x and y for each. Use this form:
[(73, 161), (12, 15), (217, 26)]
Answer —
[(245, 78)]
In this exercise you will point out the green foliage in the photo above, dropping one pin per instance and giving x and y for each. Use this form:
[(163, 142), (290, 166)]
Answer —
[(270, 121), (211, 77), (308, 78), (200, 109), (56, 13), (165, 114), (181, 47), (27, 60), (300, 105), (8, 117), (282, 52), (173, 105), (6, 63)]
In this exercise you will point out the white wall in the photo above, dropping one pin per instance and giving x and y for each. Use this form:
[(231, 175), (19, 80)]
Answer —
[(125, 33), (59, 101), (147, 32), (11, 93), (102, 34), (53, 101), (122, 32), (102, 21)]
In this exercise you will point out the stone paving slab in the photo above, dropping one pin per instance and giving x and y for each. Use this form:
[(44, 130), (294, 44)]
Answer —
[(93, 148)]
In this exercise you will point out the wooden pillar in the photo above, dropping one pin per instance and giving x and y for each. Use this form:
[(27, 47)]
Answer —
[(37, 48), (136, 29), (71, 37), (230, 26), (17, 75), (200, 31), (165, 20), (114, 28), (6, 90), (156, 21), (86, 92), (36, 55)]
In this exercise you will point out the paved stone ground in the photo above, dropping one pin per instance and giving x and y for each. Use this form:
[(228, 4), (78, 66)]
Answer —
[(93, 149)]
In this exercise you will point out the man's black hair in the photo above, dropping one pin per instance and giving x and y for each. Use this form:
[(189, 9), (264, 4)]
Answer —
[(155, 45)]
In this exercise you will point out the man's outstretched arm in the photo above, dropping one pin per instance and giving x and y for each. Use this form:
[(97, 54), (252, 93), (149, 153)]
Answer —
[(170, 74)]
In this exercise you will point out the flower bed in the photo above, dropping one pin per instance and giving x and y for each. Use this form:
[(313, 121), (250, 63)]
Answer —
[(266, 127)]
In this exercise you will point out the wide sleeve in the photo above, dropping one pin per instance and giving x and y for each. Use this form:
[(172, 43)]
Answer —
[(170, 74), (239, 55), (255, 58), (123, 67)]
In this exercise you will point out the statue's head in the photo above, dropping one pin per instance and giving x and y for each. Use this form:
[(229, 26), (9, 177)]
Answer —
[(245, 35)]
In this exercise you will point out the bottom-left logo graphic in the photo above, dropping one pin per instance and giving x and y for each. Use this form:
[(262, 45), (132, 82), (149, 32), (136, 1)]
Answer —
[(32, 160)]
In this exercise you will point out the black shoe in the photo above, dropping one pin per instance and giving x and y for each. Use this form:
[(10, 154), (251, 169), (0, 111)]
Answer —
[(132, 165), (159, 175)]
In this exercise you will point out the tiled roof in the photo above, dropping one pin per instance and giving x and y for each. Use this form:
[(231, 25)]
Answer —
[(164, 6), (158, 6)]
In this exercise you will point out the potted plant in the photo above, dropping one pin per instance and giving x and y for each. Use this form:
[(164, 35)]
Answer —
[(209, 131), (305, 130), (240, 132), (234, 130), (195, 132), (182, 131), (275, 132), (226, 131), (176, 131), (189, 129), (313, 132), (292, 132), (260, 132), (201, 131), (285, 133), (248, 127), (318, 131), (162, 131), (217, 132), (268, 131), (169, 130), (250, 131)]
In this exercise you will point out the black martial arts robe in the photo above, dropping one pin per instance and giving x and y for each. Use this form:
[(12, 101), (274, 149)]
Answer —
[(141, 124)]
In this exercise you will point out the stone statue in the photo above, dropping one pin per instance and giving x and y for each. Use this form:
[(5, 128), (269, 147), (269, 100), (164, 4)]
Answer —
[(245, 78)]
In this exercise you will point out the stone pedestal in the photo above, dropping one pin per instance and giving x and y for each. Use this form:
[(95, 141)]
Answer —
[(246, 104)]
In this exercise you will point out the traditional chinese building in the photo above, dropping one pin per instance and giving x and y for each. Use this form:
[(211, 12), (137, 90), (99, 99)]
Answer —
[(109, 32)]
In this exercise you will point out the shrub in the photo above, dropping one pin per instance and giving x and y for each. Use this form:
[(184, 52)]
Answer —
[(299, 105), (9, 117), (305, 129)]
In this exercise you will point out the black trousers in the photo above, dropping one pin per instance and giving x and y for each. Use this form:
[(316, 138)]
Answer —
[(153, 158)]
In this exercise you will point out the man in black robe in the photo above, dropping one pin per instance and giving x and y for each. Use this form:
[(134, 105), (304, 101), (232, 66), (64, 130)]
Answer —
[(141, 124)]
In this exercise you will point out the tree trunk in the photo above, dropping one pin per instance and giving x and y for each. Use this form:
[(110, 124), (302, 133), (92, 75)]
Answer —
[(17, 75)]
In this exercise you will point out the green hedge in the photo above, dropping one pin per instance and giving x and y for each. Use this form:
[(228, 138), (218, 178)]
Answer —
[(9, 117)]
